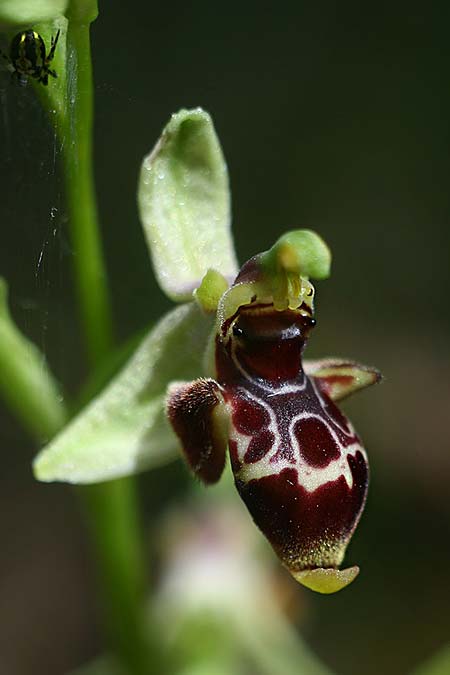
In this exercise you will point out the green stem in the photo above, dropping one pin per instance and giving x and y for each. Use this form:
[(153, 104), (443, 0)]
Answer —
[(111, 514), (112, 507), (89, 266)]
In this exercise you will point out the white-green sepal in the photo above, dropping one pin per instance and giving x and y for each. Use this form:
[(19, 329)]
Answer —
[(124, 430), (184, 205)]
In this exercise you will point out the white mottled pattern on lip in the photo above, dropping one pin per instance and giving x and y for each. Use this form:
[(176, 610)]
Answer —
[(309, 477)]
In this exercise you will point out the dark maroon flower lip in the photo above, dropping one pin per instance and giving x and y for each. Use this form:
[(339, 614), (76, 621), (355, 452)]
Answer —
[(307, 529), (298, 464)]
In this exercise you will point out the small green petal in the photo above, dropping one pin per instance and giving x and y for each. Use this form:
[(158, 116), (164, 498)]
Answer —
[(26, 13), (124, 430), (184, 204), (26, 383), (210, 291)]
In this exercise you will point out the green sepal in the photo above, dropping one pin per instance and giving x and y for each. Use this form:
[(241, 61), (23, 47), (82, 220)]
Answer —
[(124, 430), (184, 205), (107, 369), (25, 14), (26, 383)]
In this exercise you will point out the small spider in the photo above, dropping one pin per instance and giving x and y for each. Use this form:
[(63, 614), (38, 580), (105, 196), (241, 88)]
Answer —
[(28, 58)]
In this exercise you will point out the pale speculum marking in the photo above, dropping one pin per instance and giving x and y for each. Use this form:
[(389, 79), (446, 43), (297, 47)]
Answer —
[(270, 433)]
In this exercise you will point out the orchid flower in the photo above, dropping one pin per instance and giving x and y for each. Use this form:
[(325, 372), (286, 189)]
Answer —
[(223, 372)]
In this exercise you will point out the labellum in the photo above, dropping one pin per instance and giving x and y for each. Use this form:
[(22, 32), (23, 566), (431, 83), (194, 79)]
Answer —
[(298, 464)]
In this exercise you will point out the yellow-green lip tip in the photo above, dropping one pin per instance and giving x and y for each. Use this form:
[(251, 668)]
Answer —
[(326, 580)]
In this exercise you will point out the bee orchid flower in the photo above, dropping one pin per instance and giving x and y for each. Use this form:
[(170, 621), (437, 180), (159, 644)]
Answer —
[(298, 463)]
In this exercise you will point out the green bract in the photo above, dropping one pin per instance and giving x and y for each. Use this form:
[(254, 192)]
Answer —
[(124, 429), (184, 203), (26, 13)]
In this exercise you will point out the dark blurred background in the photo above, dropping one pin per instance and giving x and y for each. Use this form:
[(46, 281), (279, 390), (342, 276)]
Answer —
[(334, 116)]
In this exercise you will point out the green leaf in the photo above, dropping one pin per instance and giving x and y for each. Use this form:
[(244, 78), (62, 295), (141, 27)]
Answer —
[(25, 13), (26, 382), (124, 430), (184, 204)]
